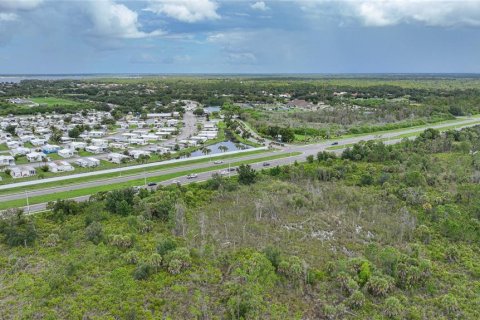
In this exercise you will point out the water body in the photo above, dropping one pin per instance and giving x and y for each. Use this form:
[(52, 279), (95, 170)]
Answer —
[(21, 77), (215, 148)]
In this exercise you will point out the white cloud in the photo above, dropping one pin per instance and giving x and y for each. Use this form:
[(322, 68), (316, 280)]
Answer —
[(12, 5), (392, 12), (433, 12), (8, 16), (185, 10), (259, 5), (115, 20)]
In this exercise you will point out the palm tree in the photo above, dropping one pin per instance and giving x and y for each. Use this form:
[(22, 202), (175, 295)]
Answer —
[(206, 151), (223, 148)]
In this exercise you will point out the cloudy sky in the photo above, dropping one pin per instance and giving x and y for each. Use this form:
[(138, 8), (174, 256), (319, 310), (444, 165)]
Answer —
[(238, 36)]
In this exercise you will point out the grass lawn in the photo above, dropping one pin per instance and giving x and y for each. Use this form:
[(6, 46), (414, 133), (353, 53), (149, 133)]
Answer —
[(115, 174), (52, 101), (83, 153), (88, 191)]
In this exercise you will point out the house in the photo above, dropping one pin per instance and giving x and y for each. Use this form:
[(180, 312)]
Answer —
[(50, 148), (27, 138), (99, 142), (117, 157), (78, 145), (138, 141), (66, 153), (19, 151), (96, 134), (88, 162), (150, 137), (157, 149), (95, 149), (22, 172), (208, 126), (14, 144), (66, 139), (172, 122), (7, 161), (60, 166), (137, 153), (94, 162), (35, 156), (38, 142)]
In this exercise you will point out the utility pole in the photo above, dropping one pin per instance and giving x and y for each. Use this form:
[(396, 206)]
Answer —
[(145, 177)]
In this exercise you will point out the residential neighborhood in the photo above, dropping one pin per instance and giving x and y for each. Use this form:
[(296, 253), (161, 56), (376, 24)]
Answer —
[(59, 143)]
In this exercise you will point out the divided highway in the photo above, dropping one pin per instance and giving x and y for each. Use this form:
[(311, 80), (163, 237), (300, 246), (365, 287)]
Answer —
[(304, 150)]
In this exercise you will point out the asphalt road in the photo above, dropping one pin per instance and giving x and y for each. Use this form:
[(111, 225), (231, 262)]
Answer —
[(305, 150)]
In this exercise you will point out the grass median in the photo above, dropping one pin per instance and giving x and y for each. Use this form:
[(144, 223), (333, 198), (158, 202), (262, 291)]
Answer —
[(161, 177), (410, 134), (132, 171)]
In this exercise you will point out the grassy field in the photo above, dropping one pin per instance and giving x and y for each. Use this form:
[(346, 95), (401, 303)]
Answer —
[(116, 174), (161, 177), (52, 101)]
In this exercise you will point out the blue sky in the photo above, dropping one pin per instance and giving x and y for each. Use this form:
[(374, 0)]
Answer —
[(220, 36)]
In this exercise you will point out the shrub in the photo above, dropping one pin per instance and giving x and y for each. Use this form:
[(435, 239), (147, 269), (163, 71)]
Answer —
[(166, 245), (52, 240), (18, 229), (292, 268), (423, 234), (142, 271), (131, 257), (177, 260), (392, 308), (94, 232), (155, 261), (122, 242), (356, 300), (378, 286), (273, 254), (449, 305)]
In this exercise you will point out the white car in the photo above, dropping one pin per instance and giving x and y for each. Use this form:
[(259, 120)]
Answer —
[(224, 172), (217, 161), (192, 176)]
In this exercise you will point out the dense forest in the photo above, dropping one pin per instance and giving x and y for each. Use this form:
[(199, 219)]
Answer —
[(376, 232)]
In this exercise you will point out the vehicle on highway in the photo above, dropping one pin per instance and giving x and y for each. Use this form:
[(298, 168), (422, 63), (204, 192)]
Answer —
[(334, 143), (224, 172), (178, 183), (152, 184), (192, 176), (218, 161), (232, 169), (266, 164)]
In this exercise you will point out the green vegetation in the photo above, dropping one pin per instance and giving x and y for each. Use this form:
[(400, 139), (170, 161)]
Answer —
[(382, 232), (54, 101)]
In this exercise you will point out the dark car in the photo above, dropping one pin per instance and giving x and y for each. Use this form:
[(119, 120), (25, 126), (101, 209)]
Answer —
[(334, 143), (266, 164), (152, 184)]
